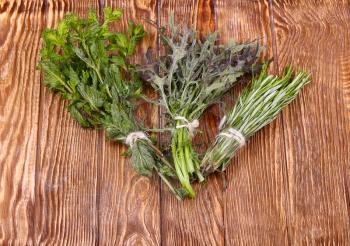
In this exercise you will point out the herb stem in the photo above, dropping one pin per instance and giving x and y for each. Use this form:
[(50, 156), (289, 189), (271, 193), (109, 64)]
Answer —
[(170, 186), (146, 99), (158, 129), (159, 154), (181, 160)]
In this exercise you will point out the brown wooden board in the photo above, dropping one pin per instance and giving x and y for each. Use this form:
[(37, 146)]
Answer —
[(198, 221), (21, 23), (314, 35), (255, 199), (129, 208), (67, 165), (61, 184)]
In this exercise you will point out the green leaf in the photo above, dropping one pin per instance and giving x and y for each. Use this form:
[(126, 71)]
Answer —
[(121, 40), (93, 96), (81, 54), (132, 46), (92, 16), (111, 15), (113, 133), (142, 159), (130, 31), (73, 79), (53, 77), (139, 32), (119, 61), (75, 113), (165, 170), (52, 37), (62, 28)]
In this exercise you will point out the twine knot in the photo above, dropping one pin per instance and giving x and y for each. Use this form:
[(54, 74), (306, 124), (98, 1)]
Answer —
[(191, 126), (134, 136), (235, 135), (222, 122)]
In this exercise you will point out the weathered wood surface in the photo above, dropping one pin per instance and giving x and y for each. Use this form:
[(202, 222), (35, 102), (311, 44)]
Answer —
[(60, 184), (66, 185), (314, 35), (20, 24), (255, 198)]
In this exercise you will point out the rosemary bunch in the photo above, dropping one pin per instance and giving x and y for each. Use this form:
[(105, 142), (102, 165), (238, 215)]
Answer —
[(258, 105), (87, 65), (189, 78)]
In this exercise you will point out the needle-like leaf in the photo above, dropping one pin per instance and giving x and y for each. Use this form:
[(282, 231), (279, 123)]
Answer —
[(258, 105)]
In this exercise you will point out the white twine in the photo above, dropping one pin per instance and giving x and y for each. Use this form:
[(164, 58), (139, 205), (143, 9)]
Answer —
[(222, 122), (191, 126), (236, 135), (134, 136)]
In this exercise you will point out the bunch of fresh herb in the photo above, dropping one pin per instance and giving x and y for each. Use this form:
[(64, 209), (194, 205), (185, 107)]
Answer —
[(258, 105), (88, 65), (192, 76)]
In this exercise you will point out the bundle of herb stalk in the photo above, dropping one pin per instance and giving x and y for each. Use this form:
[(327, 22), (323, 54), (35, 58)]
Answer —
[(190, 77), (257, 106), (87, 65)]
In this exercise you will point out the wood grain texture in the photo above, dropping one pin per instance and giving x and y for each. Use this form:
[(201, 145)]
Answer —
[(63, 185), (66, 184), (129, 207), (255, 198), (21, 23), (198, 221), (345, 78), (314, 35)]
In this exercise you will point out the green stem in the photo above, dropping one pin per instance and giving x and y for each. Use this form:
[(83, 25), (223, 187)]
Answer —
[(159, 154), (188, 158), (146, 99), (170, 186), (180, 163), (177, 164), (158, 129), (181, 153)]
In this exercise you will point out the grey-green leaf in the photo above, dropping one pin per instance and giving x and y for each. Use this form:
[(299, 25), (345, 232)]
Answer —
[(142, 159)]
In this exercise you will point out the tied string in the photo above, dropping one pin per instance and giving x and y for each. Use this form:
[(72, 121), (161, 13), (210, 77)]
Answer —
[(134, 136), (222, 122), (191, 126), (235, 135)]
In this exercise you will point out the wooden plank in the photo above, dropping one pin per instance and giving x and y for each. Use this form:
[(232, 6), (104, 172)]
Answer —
[(129, 207), (198, 221), (67, 165), (315, 36), (21, 23), (345, 78), (255, 198)]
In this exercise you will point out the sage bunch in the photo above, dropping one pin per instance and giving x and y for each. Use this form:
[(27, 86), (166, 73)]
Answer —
[(190, 77), (258, 105), (87, 64)]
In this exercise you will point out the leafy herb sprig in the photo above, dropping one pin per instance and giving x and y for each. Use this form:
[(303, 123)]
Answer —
[(258, 105), (192, 76), (87, 65)]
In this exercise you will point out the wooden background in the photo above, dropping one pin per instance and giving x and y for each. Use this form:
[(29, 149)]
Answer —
[(62, 185)]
